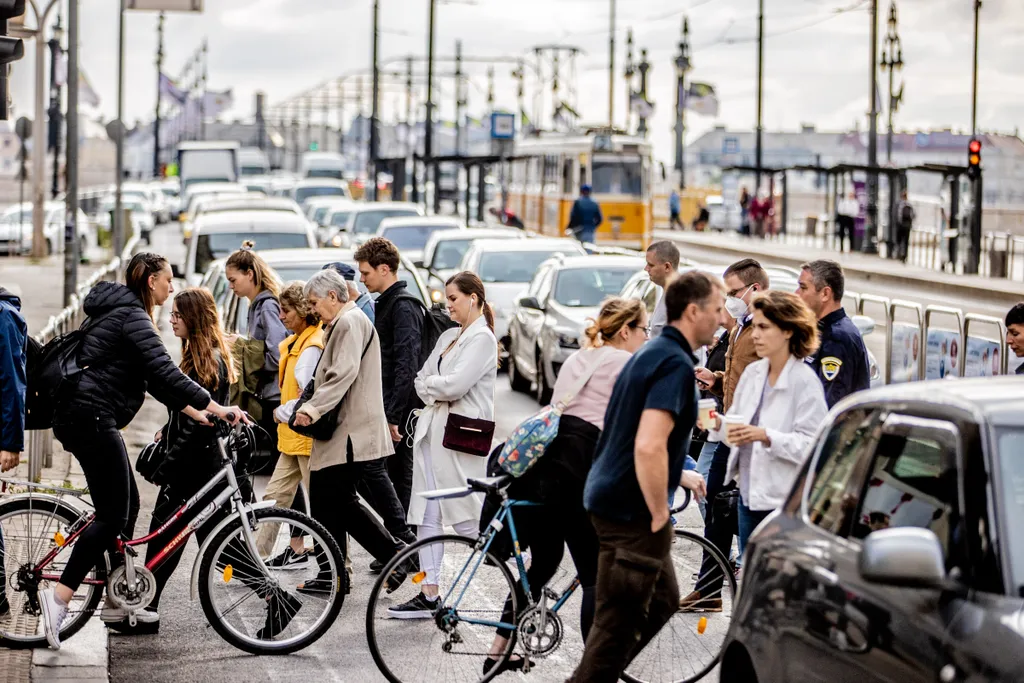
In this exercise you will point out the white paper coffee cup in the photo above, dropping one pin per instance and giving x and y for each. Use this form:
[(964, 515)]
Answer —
[(731, 422), (705, 410)]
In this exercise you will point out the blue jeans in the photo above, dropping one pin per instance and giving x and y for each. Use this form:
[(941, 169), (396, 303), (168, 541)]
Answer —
[(748, 521), (707, 455)]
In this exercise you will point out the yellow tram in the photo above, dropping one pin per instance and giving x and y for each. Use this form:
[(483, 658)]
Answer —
[(550, 169)]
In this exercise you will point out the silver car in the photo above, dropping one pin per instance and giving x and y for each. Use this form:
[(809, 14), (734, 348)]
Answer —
[(549, 319)]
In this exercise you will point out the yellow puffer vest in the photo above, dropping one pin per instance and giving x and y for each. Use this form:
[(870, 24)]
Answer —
[(291, 348)]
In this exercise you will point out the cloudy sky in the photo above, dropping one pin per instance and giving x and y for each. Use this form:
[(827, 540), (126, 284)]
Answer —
[(816, 54)]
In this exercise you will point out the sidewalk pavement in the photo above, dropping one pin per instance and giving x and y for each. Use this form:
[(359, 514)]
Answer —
[(885, 272)]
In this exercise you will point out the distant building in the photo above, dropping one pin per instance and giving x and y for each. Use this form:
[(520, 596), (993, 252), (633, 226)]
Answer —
[(1002, 157)]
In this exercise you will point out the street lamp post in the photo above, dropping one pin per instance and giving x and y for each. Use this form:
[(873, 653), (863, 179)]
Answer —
[(55, 113), (630, 72), (892, 61), (375, 105), (682, 67), (759, 129), (644, 67), (870, 243), (156, 114)]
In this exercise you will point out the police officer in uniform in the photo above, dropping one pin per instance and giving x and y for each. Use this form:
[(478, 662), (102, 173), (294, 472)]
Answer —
[(842, 358)]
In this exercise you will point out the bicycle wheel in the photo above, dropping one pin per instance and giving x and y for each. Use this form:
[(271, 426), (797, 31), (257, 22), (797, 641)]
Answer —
[(31, 528), (690, 644), (265, 613), (452, 642)]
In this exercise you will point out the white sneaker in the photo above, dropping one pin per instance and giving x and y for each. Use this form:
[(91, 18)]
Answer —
[(54, 612), (112, 614)]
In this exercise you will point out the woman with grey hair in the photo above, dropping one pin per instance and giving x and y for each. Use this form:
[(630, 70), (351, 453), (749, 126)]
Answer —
[(348, 378)]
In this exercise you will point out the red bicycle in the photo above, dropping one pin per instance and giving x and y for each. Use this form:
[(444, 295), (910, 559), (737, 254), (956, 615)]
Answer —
[(236, 587)]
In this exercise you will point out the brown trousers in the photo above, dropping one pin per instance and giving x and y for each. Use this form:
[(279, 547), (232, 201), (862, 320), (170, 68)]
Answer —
[(637, 594)]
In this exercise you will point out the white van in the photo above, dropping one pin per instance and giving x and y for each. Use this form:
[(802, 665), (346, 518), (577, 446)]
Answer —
[(217, 235), (323, 165)]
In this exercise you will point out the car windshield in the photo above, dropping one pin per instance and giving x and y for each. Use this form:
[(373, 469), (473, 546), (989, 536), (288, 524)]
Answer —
[(340, 218), (303, 272), (318, 215), (590, 286), (410, 236), (1011, 445), (448, 254), (335, 173), (367, 222), (304, 193), (213, 246), (512, 266)]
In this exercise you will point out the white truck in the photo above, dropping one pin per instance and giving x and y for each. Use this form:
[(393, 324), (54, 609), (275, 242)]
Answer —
[(207, 162)]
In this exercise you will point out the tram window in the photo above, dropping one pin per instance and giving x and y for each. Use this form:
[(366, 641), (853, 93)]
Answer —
[(618, 177), (567, 176)]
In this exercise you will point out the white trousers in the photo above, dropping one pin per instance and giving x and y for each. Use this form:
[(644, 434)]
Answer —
[(431, 556)]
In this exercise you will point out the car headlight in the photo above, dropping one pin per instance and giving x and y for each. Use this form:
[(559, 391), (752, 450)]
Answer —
[(336, 241), (436, 296), (568, 340)]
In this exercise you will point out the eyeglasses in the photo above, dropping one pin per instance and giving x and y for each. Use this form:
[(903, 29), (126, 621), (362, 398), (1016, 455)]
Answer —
[(736, 292), (646, 329), (175, 315)]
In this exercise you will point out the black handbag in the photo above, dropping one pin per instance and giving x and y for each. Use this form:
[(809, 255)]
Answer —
[(468, 435), (324, 428), (150, 460)]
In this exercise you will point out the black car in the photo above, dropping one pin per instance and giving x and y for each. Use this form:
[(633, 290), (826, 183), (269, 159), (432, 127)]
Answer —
[(899, 555)]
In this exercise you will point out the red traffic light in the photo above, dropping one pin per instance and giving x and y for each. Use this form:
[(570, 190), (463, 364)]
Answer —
[(975, 147)]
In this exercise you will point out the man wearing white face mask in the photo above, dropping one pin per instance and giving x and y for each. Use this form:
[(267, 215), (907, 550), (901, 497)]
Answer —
[(744, 280)]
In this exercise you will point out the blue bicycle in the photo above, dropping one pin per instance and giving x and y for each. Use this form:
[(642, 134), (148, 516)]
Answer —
[(450, 640)]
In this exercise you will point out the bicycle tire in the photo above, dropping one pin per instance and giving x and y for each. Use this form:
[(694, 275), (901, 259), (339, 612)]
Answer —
[(728, 578), (262, 647), (67, 515), (407, 553)]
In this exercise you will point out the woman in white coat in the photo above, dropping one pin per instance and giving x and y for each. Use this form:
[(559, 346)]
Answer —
[(457, 379), (779, 405)]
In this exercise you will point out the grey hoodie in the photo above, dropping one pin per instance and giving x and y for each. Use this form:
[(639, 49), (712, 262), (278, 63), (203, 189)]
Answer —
[(265, 325)]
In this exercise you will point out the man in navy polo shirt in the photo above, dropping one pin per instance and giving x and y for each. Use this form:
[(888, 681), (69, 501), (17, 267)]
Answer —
[(640, 458)]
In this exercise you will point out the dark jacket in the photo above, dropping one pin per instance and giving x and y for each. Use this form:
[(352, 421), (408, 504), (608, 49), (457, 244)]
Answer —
[(127, 358), (399, 323), (13, 337), (716, 363), (842, 358), (586, 215), (265, 325), (191, 455)]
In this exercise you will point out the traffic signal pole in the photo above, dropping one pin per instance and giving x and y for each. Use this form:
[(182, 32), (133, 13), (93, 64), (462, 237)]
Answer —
[(71, 201)]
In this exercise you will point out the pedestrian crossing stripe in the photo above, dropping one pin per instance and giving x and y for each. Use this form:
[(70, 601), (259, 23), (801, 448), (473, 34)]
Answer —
[(830, 367)]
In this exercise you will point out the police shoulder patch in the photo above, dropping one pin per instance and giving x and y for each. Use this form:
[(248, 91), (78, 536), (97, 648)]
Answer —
[(830, 367)]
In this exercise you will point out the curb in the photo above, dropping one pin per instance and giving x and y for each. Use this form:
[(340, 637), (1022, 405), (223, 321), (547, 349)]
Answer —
[(83, 657), (1004, 292)]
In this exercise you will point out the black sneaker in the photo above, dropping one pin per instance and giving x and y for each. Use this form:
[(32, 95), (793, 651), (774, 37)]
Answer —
[(420, 607), (323, 583), (281, 609), (289, 560), (376, 567)]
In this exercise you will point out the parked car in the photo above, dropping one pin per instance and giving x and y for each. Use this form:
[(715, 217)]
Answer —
[(410, 233), (445, 249), (507, 268), (16, 229), (548, 321), (899, 554), (290, 265), (219, 234)]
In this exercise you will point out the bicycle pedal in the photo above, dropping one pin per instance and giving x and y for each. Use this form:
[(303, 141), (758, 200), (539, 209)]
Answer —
[(133, 621)]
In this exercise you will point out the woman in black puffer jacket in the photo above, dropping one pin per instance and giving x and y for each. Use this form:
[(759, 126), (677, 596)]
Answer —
[(124, 358)]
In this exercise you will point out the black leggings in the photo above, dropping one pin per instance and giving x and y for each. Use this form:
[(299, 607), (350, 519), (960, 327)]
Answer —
[(97, 445)]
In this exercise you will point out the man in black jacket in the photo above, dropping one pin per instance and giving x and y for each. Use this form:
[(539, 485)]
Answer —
[(399, 322), (13, 337)]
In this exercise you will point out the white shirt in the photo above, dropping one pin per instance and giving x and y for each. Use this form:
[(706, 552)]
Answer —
[(305, 366)]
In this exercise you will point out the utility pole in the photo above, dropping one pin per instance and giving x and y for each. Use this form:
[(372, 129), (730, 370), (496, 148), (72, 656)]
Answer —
[(644, 68), (611, 69), (428, 134), (682, 67), (974, 72), (458, 98), (892, 61), (630, 72), (341, 117), (54, 113), (870, 243), (520, 76), (759, 129), (119, 235), (159, 76), (71, 162), (202, 95), (375, 105), (410, 149)]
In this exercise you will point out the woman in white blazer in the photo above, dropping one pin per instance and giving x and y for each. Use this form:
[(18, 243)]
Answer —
[(458, 378), (780, 404)]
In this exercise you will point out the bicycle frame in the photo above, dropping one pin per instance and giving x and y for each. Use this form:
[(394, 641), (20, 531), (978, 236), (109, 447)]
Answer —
[(231, 491), (482, 546)]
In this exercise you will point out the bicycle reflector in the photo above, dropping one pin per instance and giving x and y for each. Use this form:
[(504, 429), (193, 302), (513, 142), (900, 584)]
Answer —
[(974, 158), (229, 571), (702, 624)]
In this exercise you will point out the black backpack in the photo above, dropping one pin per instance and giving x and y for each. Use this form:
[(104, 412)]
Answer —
[(52, 370), (436, 322)]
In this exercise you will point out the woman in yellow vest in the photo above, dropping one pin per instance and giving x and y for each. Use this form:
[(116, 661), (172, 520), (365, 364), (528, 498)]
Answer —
[(299, 355)]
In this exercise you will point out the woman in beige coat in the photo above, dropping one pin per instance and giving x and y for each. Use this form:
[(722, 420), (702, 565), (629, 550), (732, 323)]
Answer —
[(458, 378), (348, 375)]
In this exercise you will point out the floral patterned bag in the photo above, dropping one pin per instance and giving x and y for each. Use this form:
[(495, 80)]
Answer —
[(530, 440)]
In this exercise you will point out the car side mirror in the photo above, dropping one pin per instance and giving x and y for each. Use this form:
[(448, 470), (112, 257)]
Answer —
[(419, 263), (865, 325), (176, 271), (903, 556), (531, 303)]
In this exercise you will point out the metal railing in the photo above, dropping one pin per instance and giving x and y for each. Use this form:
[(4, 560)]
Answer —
[(39, 443)]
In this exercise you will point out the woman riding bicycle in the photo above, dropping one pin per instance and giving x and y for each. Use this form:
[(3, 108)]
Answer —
[(123, 357), (557, 479)]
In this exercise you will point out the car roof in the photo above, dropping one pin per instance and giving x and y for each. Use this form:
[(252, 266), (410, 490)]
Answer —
[(383, 206), (477, 234), (997, 398), (287, 257), (598, 261), (255, 203), (537, 244), (215, 187), (263, 221), (418, 221), (321, 182)]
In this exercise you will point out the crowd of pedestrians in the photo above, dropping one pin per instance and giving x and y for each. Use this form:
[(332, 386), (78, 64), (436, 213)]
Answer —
[(358, 398)]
